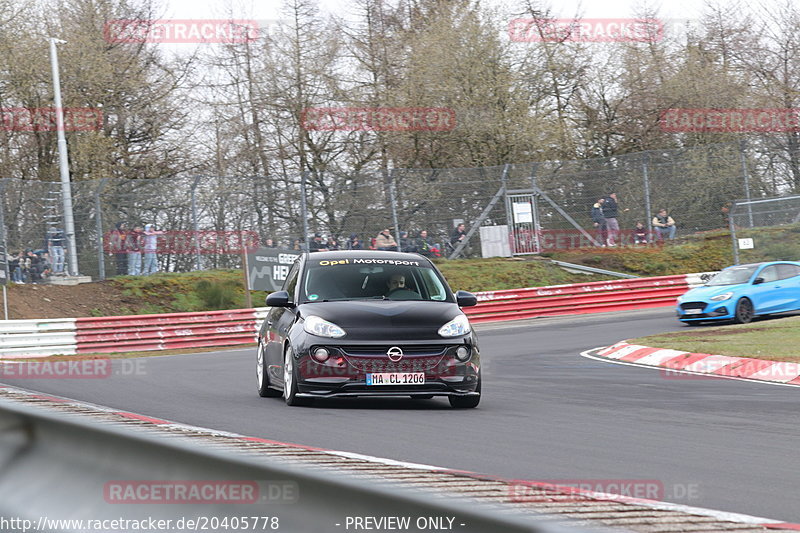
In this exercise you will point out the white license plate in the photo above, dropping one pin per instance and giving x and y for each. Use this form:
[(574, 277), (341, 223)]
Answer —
[(396, 378), (693, 312)]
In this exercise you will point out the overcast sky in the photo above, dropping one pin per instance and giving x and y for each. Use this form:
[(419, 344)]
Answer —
[(270, 9)]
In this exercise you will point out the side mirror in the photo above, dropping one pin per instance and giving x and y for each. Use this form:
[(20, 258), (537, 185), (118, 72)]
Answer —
[(466, 299), (758, 281), (279, 299)]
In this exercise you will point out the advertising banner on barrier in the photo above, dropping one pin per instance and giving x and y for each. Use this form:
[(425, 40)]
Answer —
[(267, 268)]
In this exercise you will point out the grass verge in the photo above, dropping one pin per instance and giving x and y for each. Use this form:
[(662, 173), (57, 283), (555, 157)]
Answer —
[(773, 339)]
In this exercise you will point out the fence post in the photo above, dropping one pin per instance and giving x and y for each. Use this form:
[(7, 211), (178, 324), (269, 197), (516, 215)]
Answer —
[(746, 176), (304, 208), (647, 207), (734, 242), (4, 242), (195, 224), (98, 218), (393, 201), (535, 201)]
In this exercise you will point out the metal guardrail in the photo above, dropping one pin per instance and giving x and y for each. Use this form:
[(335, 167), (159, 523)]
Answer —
[(60, 467), (584, 268), (580, 298), (41, 337)]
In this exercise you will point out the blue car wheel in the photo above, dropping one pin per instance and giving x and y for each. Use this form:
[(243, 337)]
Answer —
[(744, 311)]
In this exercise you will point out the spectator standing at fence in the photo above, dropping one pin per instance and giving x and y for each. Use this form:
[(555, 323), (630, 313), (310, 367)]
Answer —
[(270, 244), (33, 265), (425, 245), (116, 246), (599, 221), (354, 243), (316, 244), (150, 249), (55, 247), (385, 241), (332, 244), (14, 268), (458, 235), (639, 234), (407, 244), (664, 225), (610, 213), (134, 242)]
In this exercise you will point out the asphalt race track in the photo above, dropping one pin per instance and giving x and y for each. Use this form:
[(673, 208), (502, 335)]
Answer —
[(546, 414)]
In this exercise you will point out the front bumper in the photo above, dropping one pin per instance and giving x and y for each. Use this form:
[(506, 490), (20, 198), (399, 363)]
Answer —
[(688, 311), (344, 373)]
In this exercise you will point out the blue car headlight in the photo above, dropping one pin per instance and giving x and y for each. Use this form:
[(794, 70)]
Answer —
[(721, 297)]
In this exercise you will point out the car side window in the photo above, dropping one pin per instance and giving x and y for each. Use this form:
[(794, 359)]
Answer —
[(770, 273), (291, 279), (786, 271)]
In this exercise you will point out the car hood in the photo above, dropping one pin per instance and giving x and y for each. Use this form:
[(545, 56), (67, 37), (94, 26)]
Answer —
[(704, 293), (385, 320)]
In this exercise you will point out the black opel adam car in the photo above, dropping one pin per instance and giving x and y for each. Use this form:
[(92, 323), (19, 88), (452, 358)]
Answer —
[(367, 323)]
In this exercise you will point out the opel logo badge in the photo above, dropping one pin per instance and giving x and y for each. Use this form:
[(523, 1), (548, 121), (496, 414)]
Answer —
[(395, 353)]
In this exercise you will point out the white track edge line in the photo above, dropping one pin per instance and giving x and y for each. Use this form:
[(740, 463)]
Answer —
[(587, 355)]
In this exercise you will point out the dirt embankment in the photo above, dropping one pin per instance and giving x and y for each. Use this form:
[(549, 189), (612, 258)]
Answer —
[(61, 301)]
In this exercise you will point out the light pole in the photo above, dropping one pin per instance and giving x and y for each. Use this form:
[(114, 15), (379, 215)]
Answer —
[(63, 163)]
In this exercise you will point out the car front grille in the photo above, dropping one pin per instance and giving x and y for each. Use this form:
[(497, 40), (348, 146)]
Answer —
[(693, 305), (409, 350), (416, 358)]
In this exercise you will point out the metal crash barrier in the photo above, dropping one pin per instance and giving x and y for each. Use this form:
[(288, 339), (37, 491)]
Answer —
[(115, 334), (61, 473), (582, 298)]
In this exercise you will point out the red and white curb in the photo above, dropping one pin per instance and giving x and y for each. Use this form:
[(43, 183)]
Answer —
[(719, 366), (463, 483)]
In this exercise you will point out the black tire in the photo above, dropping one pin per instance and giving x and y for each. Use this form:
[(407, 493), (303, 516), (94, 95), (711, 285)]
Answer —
[(744, 311), (466, 402), (290, 380), (262, 376)]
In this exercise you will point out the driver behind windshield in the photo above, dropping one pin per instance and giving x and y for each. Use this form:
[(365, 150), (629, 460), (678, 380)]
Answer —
[(396, 288)]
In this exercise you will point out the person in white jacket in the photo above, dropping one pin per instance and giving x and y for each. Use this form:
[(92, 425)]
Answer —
[(150, 249)]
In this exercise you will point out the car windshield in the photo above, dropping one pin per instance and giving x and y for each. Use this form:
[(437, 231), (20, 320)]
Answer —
[(733, 275), (362, 278)]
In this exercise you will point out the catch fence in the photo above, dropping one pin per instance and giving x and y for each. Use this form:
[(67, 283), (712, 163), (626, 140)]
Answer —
[(210, 216)]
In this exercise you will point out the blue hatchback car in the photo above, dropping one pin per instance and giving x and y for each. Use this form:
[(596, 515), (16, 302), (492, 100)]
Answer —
[(742, 292)]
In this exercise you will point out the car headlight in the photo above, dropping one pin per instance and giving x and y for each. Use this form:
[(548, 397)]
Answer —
[(455, 328), (720, 297), (322, 328)]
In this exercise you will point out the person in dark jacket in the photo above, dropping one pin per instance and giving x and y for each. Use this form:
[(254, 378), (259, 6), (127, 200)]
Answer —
[(425, 245), (599, 222)]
